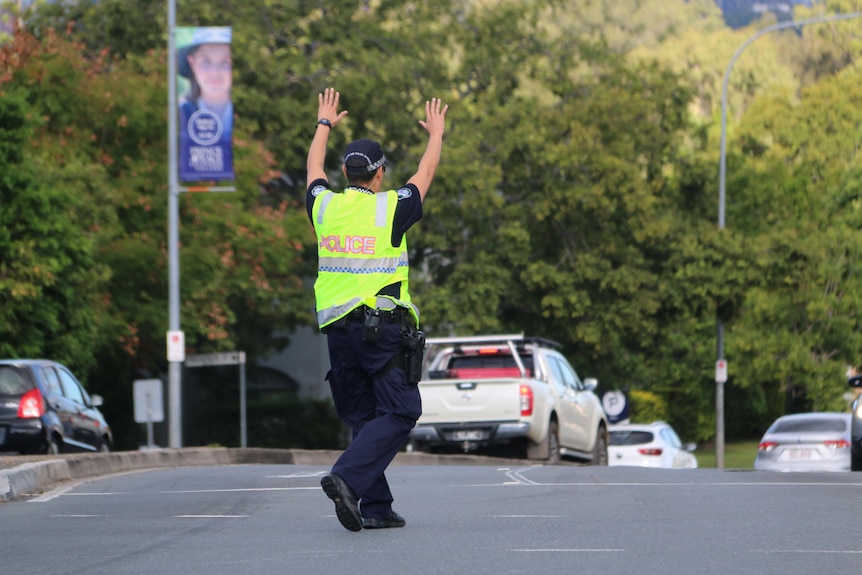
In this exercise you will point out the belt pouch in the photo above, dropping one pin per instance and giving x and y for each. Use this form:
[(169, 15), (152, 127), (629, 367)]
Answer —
[(372, 326)]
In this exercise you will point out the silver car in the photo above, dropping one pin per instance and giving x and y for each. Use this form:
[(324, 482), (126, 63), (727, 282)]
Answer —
[(856, 427), (806, 442)]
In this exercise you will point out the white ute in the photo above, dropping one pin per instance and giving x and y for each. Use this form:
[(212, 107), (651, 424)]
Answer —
[(512, 390)]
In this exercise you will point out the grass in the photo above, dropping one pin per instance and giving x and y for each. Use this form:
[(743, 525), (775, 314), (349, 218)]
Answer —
[(739, 455)]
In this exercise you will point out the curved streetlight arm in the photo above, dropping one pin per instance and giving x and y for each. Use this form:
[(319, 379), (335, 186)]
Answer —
[(781, 26)]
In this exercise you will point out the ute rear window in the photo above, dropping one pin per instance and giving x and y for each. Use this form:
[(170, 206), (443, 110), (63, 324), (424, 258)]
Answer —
[(487, 365), (629, 437), (11, 382)]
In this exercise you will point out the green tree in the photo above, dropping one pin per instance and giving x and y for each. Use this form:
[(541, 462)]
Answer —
[(50, 278)]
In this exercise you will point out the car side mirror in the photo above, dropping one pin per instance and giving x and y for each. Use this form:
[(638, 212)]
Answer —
[(855, 381), (689, 446), (591, 383), (96, 400)]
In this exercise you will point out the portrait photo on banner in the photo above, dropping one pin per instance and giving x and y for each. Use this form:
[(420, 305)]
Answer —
[(205, 79)]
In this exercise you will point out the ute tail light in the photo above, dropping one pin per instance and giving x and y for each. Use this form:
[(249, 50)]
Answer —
[(767, 446), (32, 404), (526, 400), (837, 444), (650, 451)]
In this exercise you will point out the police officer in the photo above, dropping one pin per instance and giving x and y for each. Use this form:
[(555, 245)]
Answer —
[(363, 305)]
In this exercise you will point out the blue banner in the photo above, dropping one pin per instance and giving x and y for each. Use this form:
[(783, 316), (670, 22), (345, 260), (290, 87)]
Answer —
[(205, 110)]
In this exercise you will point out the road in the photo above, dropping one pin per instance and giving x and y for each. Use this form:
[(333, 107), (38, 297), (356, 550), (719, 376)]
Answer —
[(262, 519)]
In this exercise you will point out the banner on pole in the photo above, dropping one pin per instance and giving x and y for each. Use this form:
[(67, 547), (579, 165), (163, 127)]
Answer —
[(204, 66)]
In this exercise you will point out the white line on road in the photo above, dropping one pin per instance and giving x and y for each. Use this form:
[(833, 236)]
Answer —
[(210, 516), (526, 516), (824, 551), (188, 491), (299, 474), (568, 550)]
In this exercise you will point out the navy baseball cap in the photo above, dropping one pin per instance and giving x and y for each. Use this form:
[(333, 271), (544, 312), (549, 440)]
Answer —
[(364, 157)]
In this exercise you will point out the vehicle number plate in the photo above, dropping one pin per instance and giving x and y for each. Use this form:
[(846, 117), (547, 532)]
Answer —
[(801, 453), (468, 435)]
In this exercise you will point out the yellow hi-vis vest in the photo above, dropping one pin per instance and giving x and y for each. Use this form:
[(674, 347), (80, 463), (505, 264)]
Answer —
[(355, 255)]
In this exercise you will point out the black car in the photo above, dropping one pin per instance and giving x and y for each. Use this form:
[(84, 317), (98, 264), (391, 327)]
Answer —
[(45, 409), (856, 428)]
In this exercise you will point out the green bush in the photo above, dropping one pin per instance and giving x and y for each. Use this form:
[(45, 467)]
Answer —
[(646, 407)]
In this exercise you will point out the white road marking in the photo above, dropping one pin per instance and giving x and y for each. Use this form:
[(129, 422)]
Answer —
[(823, 551), (299, 474), (517, 477), (526, 516), (189, 491), (77, 516), (568, 550), (210, 516), (66, 487)]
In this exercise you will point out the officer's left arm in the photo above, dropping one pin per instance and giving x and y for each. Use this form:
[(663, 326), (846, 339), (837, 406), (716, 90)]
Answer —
[(408, 211), (327, 110)]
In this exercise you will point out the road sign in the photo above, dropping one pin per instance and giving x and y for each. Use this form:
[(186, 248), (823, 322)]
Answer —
[(176, 346), (721, 371), (227, 358), (148, 404), (148, 400), (210, 359), (616, 406)]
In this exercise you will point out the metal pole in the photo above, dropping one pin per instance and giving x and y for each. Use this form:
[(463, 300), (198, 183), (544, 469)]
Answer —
[(722, 173), (719, 403), (243, 435), (174, 367)]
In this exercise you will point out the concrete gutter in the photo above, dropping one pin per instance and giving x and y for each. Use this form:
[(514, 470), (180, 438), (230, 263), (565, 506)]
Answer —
[(31, 475)]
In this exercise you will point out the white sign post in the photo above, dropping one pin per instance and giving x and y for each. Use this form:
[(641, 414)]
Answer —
[(148, 405)]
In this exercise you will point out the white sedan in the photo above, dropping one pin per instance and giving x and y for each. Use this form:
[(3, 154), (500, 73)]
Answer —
[(653, 444)]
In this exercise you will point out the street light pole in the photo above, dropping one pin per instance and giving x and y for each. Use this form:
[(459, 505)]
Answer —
[(722, 173), (174, 367)]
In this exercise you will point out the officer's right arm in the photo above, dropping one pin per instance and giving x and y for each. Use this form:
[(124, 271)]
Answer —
[(435, 120), (327, 109)]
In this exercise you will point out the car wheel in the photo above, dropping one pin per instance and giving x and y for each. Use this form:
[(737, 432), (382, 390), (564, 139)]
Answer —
[(52, 446), (600, 448), (549, 449), (553, 444), (105, 447), (855, 459)]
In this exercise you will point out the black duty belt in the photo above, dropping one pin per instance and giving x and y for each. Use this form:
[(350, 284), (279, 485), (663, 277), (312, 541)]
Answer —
[(358, 314)]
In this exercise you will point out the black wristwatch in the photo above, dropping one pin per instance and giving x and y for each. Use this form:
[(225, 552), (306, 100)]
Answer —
[(325, 122)]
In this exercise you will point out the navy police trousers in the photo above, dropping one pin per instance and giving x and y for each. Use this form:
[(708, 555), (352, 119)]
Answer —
[(377, 403)]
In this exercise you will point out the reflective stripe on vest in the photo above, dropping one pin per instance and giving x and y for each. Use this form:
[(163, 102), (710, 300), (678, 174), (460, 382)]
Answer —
[(356, 258)]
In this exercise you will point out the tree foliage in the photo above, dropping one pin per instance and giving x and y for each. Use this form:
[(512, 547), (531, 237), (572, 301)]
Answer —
[(576, 199)]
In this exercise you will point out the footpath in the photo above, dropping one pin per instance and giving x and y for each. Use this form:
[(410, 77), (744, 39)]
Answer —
[(26, 475)]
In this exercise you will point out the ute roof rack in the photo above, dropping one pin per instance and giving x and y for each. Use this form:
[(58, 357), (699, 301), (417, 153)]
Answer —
[(514, 342), (517, 338)]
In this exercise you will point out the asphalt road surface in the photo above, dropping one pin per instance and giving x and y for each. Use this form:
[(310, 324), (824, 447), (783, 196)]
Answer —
[(262, 519)]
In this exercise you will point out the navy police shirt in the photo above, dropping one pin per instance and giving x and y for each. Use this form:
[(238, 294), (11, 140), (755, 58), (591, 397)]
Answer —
[(408, 211)]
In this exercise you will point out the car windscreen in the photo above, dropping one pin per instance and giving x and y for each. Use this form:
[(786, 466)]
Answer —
[(813, 424), (630, 437), (12, 382)]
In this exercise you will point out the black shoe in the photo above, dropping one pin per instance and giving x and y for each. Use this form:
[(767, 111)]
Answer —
[(346, 507), (393, 520)]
